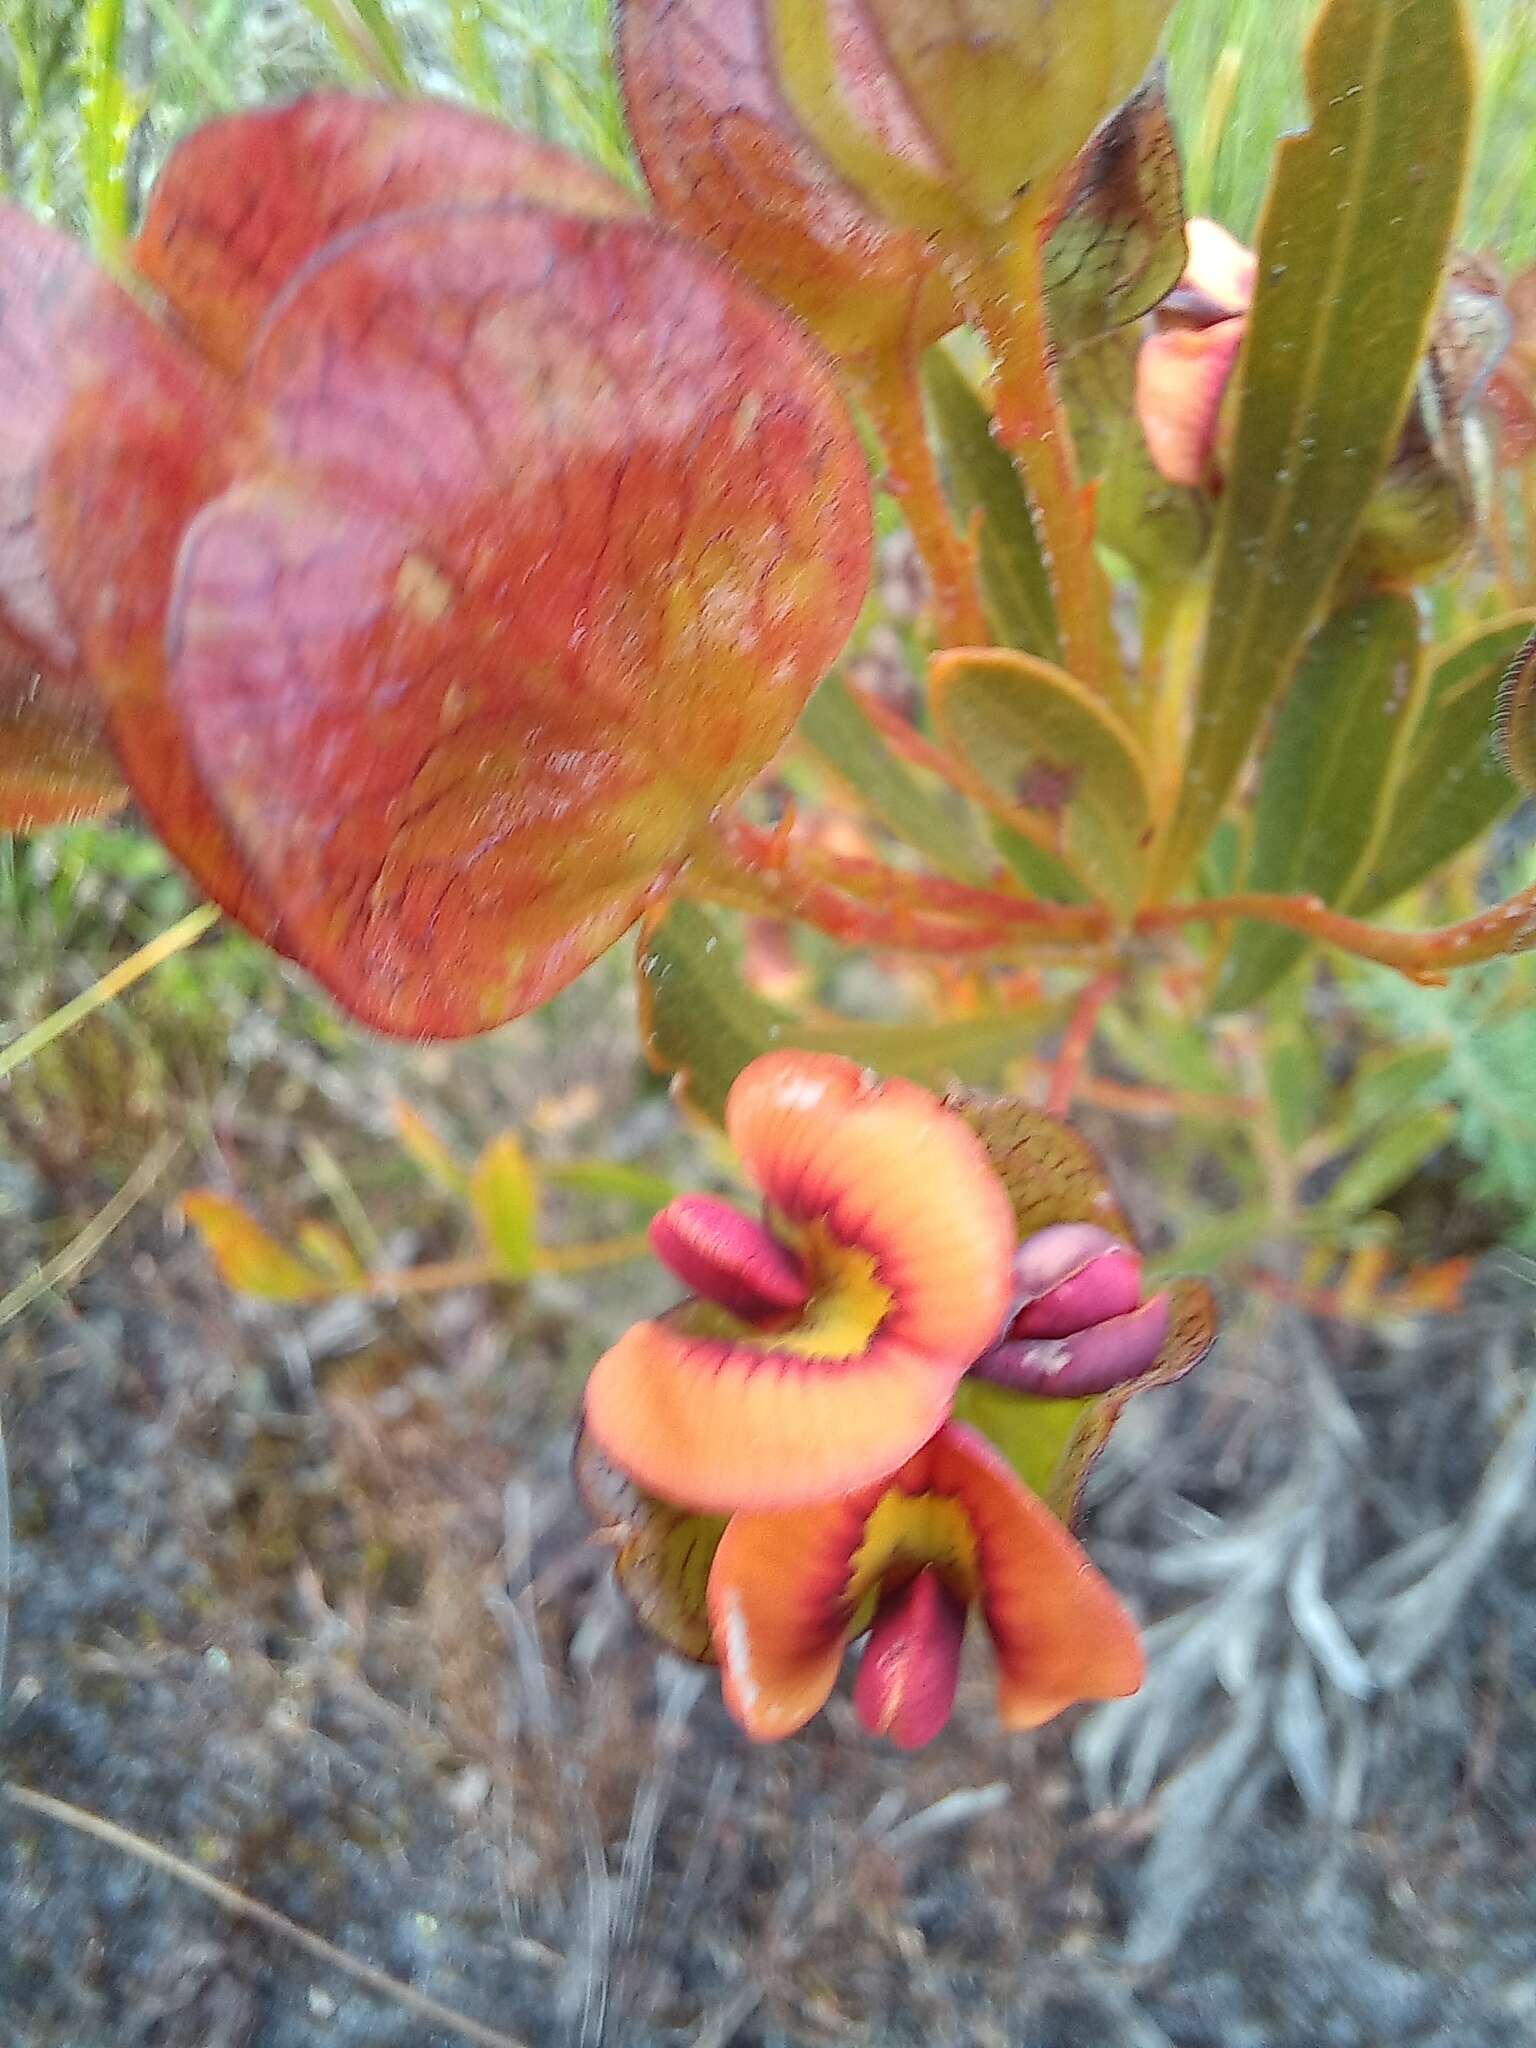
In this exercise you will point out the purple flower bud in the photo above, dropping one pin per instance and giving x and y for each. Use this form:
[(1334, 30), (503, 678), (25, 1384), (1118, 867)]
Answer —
[(728, 1258), (1069, 1276), (1092, 1361), (1078, 1324)]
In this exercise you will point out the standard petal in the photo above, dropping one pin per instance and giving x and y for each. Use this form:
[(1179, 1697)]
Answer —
[(780, 1610), (246, 201), (569, 527), (1060, 1633), (722, 1422), (883, 1168)]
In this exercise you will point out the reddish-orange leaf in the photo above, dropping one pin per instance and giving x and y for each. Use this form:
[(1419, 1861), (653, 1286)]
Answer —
[(569, 527), (245, 202), (111, 435), (727, 163), (55, 765)]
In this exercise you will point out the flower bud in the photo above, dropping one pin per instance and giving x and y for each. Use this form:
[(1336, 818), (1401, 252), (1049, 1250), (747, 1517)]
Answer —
[(1078, 1324), (728, 1258), (1010, 90), (1005, 91)]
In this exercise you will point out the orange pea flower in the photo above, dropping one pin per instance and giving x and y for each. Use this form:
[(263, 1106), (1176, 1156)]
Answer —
[(823, 1344), (440, 541), (903, 1561)]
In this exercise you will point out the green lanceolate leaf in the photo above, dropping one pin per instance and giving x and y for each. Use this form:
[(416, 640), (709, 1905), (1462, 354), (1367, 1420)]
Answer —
[(1052, 754), (1393, 1156), (1446, 784), (1353, 242), (1117, 248), (1324, 774), (838, 731), (1517, 717), (985, 490), (700, 1021)]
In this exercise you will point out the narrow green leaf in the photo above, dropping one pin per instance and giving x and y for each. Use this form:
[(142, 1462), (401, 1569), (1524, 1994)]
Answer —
[(1356, 230), (836, 728), (1450, 785), (504, 1195), (700, 1021), (1055, 756), (1392, 1157), (1324, 773), (985, 490)]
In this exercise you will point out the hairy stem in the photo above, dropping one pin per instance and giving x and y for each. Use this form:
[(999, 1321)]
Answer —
[(1509, 927), (889, 387)]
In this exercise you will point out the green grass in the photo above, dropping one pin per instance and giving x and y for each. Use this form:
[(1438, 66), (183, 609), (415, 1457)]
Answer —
[(94, 91)]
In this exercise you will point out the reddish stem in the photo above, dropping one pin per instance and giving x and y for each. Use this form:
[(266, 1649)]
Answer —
[(889, 386), (1509, 927), (1076, 1040), (947, 916)]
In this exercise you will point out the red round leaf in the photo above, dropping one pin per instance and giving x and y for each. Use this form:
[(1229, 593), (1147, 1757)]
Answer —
[(563, 530), (245, 202)]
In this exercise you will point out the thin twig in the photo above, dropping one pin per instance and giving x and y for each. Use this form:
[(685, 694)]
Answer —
[(1076, 1041), (244, 1908), (184, 933), (82, 1248)]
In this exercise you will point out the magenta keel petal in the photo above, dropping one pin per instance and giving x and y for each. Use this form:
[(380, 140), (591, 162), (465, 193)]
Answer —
[(728, 1258), (1092, 1361)]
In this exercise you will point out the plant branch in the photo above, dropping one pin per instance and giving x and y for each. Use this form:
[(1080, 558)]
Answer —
[(1076, 1040), (1509, 927), (864, 902), (441, 2018)]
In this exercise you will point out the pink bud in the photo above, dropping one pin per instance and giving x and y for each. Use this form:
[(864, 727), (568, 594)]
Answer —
[(1070, 1276), (905, 1689), (1092, 1361), (728, 1258)]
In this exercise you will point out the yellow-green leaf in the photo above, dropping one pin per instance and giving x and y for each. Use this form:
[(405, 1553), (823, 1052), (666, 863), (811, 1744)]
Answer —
[(1446, 785), (427, 1151), (504, 1195), (1050, 751), (250, 1259), (1353, 242), (1324, 774)]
